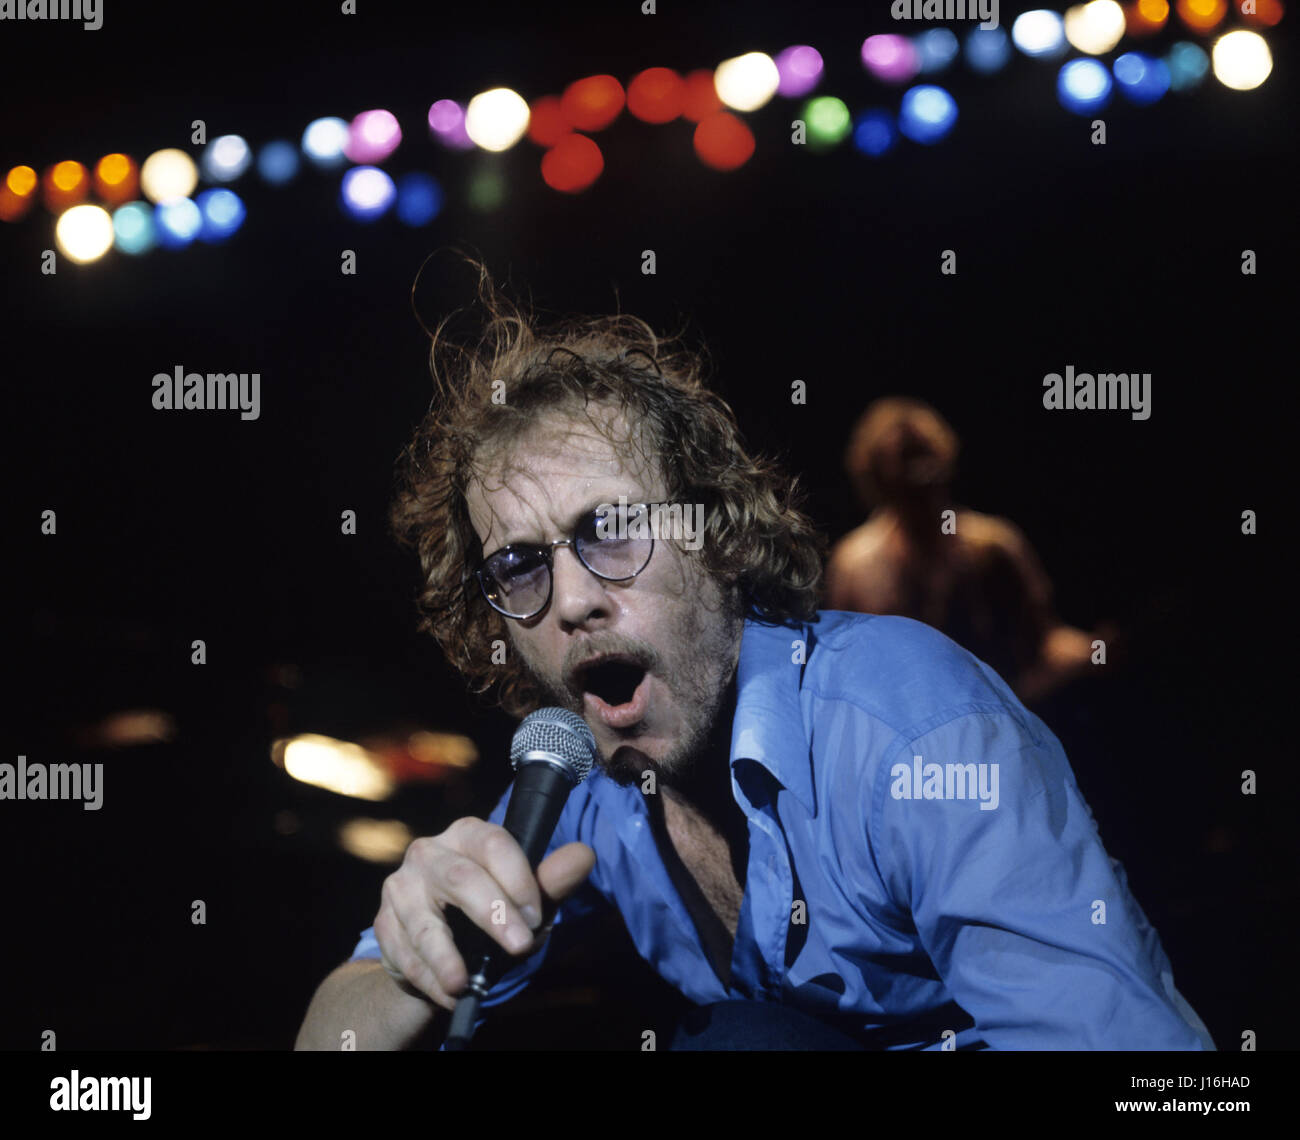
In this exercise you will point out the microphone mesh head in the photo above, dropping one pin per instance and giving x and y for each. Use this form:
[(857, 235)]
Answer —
[(562, 735)]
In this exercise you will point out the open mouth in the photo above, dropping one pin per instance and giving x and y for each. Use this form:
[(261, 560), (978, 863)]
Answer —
[(613, 681), (614, 688)]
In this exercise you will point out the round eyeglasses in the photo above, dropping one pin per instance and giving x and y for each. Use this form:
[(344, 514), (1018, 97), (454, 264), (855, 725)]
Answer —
[(614, 543)]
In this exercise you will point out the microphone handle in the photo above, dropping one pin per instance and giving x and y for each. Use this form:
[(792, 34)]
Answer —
[(538, 798), (536, 801)]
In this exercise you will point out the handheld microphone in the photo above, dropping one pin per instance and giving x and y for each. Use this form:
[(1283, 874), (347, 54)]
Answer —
[(552, 752)]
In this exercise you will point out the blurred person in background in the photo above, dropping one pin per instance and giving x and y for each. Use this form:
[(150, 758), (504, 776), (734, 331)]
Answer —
[(978, 581)]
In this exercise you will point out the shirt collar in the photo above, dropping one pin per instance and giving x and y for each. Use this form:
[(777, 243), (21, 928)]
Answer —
[(768, 725)]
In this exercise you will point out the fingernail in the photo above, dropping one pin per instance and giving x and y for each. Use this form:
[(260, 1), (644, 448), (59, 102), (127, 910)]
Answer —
[(531, 917), (517, 939)]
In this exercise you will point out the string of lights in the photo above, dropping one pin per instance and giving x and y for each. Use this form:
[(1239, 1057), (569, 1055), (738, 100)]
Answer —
[(172, 216)]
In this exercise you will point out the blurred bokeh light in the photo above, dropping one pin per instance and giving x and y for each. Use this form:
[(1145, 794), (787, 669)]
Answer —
[(496, 119), (747, 82), (722, 141), (799, 70), (336, 765), (593, 103), (84, 233), (1241, 60), (1095, 27), (116, 179), (168, 174), (572, 164), (656, 95)]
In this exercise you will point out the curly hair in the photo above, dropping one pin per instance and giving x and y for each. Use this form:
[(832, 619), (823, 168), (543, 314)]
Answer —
[(489, 394)]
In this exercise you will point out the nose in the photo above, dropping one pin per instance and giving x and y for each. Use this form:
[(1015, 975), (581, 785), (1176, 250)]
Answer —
[(578, 597)]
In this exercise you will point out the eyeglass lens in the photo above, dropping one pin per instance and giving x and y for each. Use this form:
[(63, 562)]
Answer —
[(616, 546)]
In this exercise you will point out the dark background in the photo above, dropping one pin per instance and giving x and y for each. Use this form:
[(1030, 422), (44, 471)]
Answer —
[(820, 267)]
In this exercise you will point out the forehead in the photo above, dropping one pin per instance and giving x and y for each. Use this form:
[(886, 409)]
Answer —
[(560, 465)]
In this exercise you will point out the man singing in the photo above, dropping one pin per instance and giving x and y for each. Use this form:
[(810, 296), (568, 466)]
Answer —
[(828, 830)]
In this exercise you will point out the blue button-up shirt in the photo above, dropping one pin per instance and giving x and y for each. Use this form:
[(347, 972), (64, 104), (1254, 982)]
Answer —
[(923, 870)]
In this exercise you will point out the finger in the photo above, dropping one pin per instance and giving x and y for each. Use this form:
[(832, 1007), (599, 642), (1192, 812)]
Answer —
[(418, 924), (457, 880), (435, 946), (499, 853), (559, 875), (414, 972)]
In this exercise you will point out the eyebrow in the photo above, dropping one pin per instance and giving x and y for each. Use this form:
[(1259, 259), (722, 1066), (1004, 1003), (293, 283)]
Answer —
[(571, 522)]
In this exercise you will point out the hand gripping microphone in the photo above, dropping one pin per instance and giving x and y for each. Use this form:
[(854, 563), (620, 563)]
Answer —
[(552, 752)]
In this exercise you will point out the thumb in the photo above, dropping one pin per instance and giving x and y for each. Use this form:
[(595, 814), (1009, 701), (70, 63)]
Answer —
[(563, 871)]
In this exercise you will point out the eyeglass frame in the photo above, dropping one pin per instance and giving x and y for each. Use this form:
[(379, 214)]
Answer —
[(547, 550)]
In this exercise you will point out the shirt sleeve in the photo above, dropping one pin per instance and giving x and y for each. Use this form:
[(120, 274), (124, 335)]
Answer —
[(1027, 920), (581, 903)]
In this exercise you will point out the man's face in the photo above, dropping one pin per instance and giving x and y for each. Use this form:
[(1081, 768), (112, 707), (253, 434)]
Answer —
[(673, 629)]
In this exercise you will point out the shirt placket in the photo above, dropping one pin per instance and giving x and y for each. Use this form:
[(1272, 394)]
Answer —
[(758, 958)]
